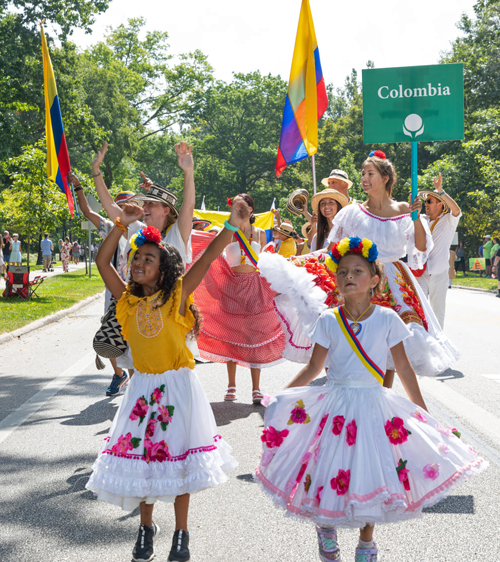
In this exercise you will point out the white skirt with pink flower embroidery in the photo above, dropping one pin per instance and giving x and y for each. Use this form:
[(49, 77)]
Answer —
[(163, 443), (352, 453)]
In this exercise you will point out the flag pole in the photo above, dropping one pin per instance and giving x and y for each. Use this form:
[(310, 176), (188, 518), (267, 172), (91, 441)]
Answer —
[(314, 174)]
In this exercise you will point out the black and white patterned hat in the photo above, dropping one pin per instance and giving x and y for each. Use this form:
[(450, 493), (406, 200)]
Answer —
[(158, 193)]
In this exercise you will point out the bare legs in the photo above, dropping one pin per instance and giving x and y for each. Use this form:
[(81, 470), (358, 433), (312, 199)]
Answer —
[(231, 375), (181, 508), (366, 534)]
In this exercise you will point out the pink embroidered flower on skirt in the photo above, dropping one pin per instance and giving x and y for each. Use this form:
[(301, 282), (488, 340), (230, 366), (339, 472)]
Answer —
[(403, 473), (420, 416), (298, 415), (150, 428), (159, 452), (140, 409), (266, 458), (316, 452), (266, 400), (351, 432), (319, 493), (443, 448), (123, 444), (396, 431), (341, 482), (321, 426), (445, 431), (301, 472), (163, 415), (431, 471), (272, 437), (156, 396), (338, 424)]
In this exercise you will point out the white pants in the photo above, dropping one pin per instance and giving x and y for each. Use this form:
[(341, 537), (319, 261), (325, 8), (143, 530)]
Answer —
[(435, 288)]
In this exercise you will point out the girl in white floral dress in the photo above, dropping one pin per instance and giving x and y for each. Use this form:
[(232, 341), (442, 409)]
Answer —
[(163, 443), (353, 453)]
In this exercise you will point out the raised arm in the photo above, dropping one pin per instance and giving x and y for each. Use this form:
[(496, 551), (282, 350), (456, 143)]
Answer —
[(105, 197), (420, 235), (88, 213), (185, 162), (239, 212), (438, 185), (110, 276)]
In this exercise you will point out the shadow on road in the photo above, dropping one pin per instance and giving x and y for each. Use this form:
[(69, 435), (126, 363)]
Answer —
[(226, 412), (449, 375), (453, 504)]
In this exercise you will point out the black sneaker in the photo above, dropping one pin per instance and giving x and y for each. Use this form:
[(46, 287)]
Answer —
[(143, 549), (117, 384), (180, 543)]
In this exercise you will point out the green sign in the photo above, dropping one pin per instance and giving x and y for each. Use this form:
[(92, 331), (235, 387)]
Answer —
[(413, 103)]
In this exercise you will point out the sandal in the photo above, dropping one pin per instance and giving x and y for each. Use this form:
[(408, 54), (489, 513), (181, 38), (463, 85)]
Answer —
[(257, 396), (230, 395)]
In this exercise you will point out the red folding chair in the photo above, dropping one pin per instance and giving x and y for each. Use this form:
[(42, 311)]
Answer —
[(17, 283), (34, 285)]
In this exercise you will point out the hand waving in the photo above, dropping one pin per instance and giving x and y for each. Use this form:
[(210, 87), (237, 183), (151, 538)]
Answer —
[(185, 156), (99, 157), (438, 182), (146, 182)]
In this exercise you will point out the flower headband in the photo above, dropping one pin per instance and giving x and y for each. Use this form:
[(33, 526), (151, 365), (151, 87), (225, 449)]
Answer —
[(378, 154), (353, 245), (149, 233)]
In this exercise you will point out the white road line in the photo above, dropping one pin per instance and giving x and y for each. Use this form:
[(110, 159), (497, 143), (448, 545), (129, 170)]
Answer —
[(9, 424)]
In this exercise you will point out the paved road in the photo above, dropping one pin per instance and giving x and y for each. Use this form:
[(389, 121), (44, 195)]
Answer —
[(46, 458)]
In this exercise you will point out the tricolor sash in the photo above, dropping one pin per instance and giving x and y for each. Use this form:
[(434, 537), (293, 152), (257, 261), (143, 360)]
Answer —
[(356, 346), (247, 247)]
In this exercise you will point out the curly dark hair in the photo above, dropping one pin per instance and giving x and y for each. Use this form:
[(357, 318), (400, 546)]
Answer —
[(171, 270)]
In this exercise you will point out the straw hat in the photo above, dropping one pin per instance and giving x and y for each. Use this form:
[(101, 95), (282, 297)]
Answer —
[(285, 228), (337, 175), (304, 229), (297, 201), (158, 193), (330, 194), (425, 193), (204, 222)]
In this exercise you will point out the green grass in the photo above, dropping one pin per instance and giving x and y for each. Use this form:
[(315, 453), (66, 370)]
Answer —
[(56, 293), (472, 280)]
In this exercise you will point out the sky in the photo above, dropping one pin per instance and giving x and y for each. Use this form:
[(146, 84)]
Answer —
[(260, 34)]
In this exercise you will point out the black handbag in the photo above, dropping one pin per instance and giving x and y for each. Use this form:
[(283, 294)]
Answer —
[(108, 340)]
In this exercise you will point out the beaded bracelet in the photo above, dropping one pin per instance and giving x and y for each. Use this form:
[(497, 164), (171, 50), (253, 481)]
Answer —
[(119, 225), (229, 226)]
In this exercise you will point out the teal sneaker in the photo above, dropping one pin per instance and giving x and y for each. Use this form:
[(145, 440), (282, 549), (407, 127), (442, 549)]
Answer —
[(328, 546)]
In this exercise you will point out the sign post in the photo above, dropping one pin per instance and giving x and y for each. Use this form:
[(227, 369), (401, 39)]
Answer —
[(413, 101)]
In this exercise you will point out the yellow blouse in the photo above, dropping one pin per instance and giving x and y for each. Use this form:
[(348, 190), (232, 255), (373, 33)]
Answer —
[(288, 248), (156, 335)]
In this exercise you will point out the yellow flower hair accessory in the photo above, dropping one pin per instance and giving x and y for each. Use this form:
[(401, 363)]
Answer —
[(352, 245)]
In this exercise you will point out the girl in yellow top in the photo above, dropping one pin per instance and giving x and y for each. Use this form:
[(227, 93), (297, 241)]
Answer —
[(163, 443)]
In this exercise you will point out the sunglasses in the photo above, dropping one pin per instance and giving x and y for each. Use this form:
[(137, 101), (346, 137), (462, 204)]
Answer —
[(429, 201)]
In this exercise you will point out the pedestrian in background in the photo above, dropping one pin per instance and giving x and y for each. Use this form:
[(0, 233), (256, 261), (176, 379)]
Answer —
[(451, 268), (7, 247), (65, 254), (496, 267), (15, 254), (2, 263), (494, 250), (460, 261), (76, 252), (47, 249), (487, 246)]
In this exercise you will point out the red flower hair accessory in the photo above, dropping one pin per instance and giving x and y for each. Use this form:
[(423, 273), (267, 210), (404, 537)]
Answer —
[(230, 201), (152, 234), (378, 154)]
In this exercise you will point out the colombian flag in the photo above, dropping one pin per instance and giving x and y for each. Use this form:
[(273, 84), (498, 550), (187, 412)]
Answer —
[(306, 100), (58, 164)]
